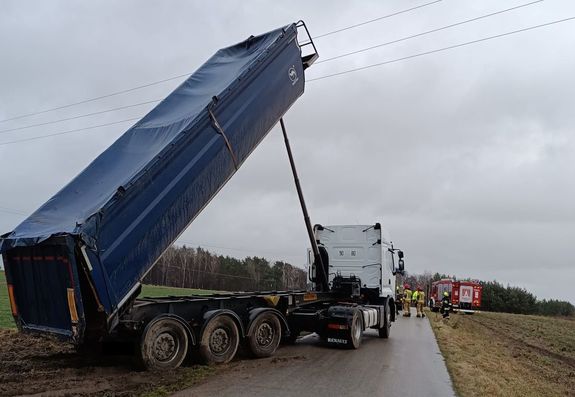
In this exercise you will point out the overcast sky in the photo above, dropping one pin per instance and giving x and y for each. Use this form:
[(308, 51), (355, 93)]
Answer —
[(465, 156)]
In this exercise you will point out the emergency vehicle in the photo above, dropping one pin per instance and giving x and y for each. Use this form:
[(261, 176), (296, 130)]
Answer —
[(465, 296)]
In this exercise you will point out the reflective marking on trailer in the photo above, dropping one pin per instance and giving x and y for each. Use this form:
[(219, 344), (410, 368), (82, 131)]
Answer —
[(12, 300), (72, 306), (85, 255), (310, 296), (272, 299)]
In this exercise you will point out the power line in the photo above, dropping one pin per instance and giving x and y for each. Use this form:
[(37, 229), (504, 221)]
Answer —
[(81, 116), (426, 32), (19, 212), (67, 132), (12, 211), (218, 274), (375, 20), (97, 98), (321, 61), (187, 74), (333, 74), (239, 249), (441, 49)]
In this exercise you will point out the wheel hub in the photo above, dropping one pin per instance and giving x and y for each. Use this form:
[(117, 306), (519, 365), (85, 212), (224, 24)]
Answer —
[(264, 335), (165, 347), (219, 341)]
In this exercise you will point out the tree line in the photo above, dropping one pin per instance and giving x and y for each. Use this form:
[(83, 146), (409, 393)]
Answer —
[(186, 267), (499, 298), (510, 299)]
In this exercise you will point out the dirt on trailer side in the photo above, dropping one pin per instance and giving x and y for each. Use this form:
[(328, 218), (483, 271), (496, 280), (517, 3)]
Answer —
[(32, 365)]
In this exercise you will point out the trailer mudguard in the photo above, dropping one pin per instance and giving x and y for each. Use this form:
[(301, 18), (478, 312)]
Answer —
[(179, 319), (259, 310), (133, 201), (209, 315)]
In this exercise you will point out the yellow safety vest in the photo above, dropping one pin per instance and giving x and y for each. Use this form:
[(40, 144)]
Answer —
[(414, 296), (407, 294), (421, 297)]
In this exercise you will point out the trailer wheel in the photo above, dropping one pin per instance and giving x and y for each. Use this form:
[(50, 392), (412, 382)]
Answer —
[(219, 341), (264, 335), (355, 331), (164, 344), (386, 330)]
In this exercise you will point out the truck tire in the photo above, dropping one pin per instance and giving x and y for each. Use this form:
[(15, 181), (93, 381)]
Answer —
[(355, 331), (264, 335), (219, 341), (386, 329), (164, 344)]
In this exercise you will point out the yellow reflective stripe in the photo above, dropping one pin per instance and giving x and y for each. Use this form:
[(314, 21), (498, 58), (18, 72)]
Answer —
[(72, 305), (12, 300)]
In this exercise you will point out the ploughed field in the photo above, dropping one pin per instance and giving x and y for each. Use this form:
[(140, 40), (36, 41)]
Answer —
[(30, 365), (500, 354)]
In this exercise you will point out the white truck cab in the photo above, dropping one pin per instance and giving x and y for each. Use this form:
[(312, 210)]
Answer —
[(360, 251)]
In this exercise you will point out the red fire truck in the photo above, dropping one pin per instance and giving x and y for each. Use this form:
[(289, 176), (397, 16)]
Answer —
[(465, 295)]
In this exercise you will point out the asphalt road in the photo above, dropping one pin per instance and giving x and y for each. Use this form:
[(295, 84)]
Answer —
[(407, 364)]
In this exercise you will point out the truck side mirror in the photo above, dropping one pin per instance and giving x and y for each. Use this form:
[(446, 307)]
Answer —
[(400, 254), (401, 265)]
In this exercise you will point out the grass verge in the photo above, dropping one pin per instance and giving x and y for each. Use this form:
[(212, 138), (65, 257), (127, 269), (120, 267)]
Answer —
[(6, 319), (500, 354)]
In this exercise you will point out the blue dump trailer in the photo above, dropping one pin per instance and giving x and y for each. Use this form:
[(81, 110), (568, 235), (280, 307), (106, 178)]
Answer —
[(74, 267)]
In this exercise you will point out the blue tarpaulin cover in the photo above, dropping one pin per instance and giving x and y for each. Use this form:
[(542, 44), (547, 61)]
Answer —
[(135, 198)]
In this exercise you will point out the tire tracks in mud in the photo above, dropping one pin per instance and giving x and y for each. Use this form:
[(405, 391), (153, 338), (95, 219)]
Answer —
[(566, 360)]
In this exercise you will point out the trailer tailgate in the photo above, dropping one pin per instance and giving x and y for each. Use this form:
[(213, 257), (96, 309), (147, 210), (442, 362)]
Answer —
[(43, 290)]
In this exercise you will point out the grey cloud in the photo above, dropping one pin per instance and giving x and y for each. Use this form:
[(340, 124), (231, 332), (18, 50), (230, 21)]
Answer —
[(467, 156)]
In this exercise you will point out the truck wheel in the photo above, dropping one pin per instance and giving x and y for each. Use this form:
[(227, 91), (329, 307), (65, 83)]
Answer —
[(386, 330), (264, 335), (219, 341), (164, 344), (355, 331)]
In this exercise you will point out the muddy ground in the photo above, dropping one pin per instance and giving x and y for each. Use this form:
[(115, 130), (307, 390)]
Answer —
[(33, 365)]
